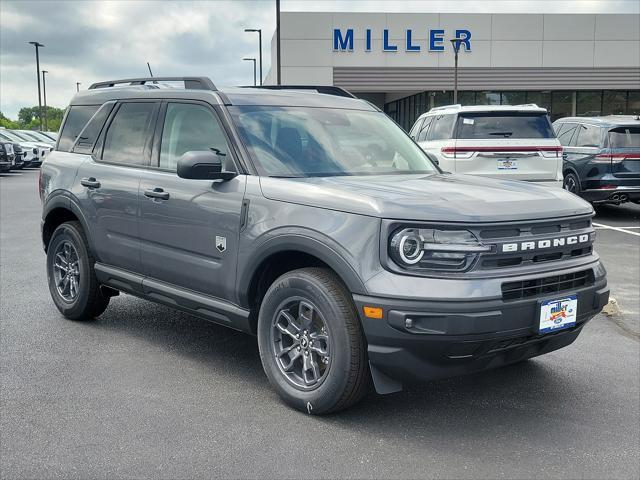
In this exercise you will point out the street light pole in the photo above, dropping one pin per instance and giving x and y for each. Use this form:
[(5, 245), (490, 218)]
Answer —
[(259, 46), (78, 86), (456, 49), (38, 45), (278, 41), (44, 95), (254, 68)]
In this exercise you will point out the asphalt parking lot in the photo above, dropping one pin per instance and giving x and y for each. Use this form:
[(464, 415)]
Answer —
[(148, 392)]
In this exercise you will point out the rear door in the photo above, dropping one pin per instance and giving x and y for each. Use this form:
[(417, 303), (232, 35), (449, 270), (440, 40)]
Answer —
[(624, 147), (107, 182), (518, 145)]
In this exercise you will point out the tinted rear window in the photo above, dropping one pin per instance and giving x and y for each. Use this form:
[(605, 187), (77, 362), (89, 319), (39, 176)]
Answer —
[(624, 137), (488, 125), (91, 132), (77, 118)]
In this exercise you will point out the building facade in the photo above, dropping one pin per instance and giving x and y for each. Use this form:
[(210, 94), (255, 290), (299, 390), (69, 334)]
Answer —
[(580, 64)]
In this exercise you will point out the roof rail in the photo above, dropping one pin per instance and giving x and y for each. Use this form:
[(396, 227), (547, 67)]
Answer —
[(195, 83), (446, 107), (325, 89)]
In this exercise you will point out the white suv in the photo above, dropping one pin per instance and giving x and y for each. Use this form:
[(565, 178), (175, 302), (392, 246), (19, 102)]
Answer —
[(515, 142)]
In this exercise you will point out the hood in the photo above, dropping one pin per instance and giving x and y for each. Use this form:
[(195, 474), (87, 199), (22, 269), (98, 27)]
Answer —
[(438, 197)]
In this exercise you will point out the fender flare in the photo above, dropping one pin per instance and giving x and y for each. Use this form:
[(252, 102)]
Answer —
[(65, 201), (326, 250)]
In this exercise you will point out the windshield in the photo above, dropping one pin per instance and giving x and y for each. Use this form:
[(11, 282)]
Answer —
[(10, 136), (624, 137), (313, 142), (21, 137), (38, 137), (503, 124)]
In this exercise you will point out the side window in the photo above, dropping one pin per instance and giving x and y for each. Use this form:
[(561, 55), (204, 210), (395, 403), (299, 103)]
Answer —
[(566, 133), (77, 118), (416, 128), (128, 133), (442, 127), (191, 127), (588, 136), (422, 134), (90, 133)]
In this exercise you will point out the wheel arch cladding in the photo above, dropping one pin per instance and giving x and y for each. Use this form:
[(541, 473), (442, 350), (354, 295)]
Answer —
[(282, 255), (58, 210)]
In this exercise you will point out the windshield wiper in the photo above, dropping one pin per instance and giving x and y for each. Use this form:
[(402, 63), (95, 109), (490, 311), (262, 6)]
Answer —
[(502, 134)]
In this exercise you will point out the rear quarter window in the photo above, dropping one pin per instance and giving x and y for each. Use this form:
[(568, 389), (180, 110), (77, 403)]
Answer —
[(76, 119), (624, 137), (495, 125)]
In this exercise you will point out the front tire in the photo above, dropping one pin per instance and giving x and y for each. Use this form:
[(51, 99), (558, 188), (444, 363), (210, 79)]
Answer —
[(311, 343), (72, 280)]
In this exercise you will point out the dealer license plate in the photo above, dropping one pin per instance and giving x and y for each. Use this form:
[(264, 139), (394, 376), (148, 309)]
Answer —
[(558, 314), (507, 164)]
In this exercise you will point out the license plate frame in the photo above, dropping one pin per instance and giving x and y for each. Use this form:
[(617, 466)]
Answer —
[(557, 314)]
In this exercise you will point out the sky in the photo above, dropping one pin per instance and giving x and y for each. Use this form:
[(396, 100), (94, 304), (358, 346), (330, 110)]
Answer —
[(88, 41)]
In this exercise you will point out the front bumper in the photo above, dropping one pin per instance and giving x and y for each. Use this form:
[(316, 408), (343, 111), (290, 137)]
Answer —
[(420, 340)]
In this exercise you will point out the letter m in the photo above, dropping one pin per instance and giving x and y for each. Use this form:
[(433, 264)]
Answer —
[(341, 43)]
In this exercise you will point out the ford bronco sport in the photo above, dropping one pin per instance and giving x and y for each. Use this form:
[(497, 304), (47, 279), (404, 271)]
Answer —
[(308, 218)]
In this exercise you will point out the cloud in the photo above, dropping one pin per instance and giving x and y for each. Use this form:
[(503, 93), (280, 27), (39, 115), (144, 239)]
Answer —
[(92, 41)]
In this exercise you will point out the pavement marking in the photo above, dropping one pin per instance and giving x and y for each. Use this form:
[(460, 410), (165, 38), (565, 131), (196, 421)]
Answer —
[(617, 229)]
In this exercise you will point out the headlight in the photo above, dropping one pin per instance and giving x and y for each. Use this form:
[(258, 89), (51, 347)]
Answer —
[(35, 151), (432, 249)]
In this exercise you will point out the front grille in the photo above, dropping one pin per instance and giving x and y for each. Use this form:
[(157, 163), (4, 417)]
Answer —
[(547, 285), (534, 233)]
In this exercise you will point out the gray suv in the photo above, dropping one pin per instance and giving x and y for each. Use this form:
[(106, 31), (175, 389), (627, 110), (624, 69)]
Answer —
[(306, 217)]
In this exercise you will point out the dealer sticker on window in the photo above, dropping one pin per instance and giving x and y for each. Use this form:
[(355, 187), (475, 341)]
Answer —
[(507, 164), (558, 314)]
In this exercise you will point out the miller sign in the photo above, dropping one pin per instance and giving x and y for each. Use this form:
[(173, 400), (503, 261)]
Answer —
[(343, 40)]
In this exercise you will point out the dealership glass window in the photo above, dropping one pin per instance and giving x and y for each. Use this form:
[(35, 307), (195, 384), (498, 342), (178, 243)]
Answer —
[(442, 98), (487, 98), (589, 103), (633, 102), (467, 98), (423, 103), (561, 104), (542, 99), (513, 98), (614, 102)]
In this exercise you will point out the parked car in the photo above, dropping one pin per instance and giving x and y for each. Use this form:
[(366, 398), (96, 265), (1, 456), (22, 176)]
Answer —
[(18, 157), (34, 151), (52, 135), (601, 157), (36, 137), (256, 209), (6, 156), (506, 142)]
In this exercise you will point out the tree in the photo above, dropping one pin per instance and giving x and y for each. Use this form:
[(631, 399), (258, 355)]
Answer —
[(8, 123), (28, 118)]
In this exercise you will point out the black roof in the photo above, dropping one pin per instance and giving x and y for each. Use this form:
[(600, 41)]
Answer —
[(606, 121), (303, 96)]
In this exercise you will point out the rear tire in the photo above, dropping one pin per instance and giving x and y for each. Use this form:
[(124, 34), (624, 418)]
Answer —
[(571, 183), (72, 280), (324, 369)]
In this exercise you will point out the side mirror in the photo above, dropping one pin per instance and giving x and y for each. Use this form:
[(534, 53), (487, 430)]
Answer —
[(202, 165)]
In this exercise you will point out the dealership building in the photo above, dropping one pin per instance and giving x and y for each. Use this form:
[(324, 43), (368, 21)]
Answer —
[(579, 64)]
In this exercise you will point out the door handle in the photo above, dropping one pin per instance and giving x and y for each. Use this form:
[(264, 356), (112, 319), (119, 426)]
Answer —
[(157, 193), (90, 182)]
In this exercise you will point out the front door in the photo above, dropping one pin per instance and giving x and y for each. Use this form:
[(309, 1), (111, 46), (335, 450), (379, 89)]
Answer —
[(189, 229)]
